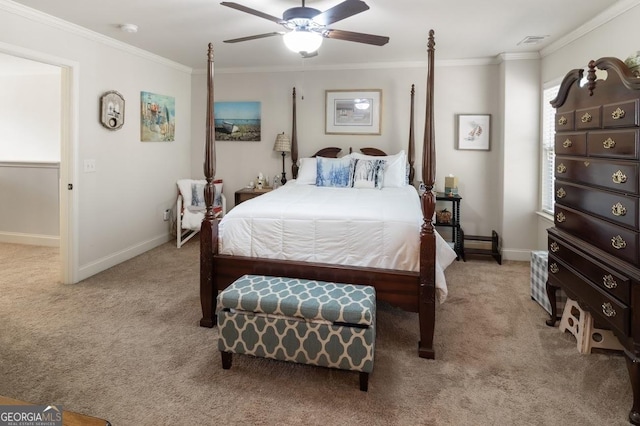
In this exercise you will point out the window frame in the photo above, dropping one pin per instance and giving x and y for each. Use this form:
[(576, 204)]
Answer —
[(547, 146)]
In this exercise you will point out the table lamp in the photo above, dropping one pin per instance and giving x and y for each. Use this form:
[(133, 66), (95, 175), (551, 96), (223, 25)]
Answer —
[(283, 145)]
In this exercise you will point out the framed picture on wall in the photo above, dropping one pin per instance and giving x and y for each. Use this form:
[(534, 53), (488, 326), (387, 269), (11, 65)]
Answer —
[(353, 112), (474, 131), (238, 121)]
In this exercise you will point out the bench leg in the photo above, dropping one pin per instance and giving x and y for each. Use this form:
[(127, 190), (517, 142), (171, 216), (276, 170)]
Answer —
[(226, 359), (364, 381)]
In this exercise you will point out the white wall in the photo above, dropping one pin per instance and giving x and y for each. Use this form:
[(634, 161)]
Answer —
[(520, 152), (30, 117), (119, 207), (458, 89)]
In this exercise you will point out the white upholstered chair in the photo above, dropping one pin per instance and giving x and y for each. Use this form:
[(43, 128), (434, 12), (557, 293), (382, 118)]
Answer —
[(190, 207)]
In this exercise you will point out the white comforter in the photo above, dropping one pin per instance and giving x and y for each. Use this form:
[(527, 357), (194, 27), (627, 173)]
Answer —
[(344, 226)]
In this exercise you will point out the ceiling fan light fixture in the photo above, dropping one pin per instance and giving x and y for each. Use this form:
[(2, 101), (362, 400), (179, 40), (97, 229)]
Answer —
[(302, 40)]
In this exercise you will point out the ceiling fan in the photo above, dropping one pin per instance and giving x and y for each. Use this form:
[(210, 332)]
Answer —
[(306, 26)]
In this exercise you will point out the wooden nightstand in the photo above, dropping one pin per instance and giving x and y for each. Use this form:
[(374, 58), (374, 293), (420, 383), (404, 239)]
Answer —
[(245, 194)]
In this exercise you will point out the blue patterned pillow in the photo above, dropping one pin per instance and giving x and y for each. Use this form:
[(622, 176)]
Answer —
[(366, 173), (333, 171)]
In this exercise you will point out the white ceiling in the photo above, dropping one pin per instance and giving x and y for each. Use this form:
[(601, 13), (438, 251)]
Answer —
[(180, 30)]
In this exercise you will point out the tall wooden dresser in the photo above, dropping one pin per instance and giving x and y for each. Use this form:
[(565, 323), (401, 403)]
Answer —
[(594, 246)]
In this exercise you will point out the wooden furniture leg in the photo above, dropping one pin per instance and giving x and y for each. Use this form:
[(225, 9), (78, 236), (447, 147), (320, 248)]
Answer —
[(634, 376), (551, 294), (364, 381), (227, 357)]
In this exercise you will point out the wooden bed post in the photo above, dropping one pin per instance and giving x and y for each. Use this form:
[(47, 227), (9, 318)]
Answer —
[(427, 297), (411, 152), (209, 227), (294, 140)]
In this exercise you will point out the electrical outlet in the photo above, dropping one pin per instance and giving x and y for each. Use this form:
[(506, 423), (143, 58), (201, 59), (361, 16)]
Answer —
[(166, 214)]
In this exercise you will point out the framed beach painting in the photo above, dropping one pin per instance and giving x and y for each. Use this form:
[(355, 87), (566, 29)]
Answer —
[(474, 131), (353, 112), (237, 121), (157, 117)]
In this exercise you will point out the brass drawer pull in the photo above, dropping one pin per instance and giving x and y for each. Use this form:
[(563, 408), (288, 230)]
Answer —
[(619, 177), (609, 282), (567, 143), (562, 120), (560, 217), (618, 243), (618, 209), (561, 193), (617, 114), (561, 168), (608, 310), (554, 268), (609, 143), (555, 247), (586, 118)]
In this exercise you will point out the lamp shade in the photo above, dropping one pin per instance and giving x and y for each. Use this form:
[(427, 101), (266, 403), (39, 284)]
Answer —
[(283, 143), (302, 40)]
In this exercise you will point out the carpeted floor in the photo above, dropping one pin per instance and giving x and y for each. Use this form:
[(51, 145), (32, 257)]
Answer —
[(125, 345)]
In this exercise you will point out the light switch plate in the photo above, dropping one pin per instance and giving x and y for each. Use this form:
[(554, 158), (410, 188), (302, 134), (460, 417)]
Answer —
[(89, 166)]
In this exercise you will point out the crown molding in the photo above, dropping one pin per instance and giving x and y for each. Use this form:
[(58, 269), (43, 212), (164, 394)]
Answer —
[(355, 66), (54, 22), (620, 7)]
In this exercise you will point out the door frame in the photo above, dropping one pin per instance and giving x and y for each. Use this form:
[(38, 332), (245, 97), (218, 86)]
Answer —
[(69, 135)]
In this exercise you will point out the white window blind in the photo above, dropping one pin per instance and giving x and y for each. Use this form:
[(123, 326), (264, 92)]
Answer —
[(548, 154)]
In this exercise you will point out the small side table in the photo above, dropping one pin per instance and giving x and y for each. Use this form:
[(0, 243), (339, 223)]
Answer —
[(454, 223), (245, 194)]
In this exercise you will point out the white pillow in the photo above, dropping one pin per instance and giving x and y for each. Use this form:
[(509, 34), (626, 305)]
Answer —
[(192, 191), (185, 187), (366, 173), (307, 172), (395, 169)]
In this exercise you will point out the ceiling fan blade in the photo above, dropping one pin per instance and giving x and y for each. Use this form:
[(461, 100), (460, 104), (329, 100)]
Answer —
[(357, 37), (341, 11), (253, 37), (252, 11)]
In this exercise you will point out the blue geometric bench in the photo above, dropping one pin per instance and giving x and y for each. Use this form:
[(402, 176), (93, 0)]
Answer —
[(308, 322)]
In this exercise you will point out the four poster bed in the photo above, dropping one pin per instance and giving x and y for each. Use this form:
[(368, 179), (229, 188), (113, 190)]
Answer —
[(409, 286)]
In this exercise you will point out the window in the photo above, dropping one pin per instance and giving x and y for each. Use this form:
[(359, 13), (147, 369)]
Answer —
[(548, 140)]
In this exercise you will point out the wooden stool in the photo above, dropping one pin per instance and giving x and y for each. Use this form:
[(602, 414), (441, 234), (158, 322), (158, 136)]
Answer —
[(580, 323)]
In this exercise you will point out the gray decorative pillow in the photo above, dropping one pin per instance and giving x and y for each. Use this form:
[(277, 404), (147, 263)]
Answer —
[(366, 173), (197, 194)]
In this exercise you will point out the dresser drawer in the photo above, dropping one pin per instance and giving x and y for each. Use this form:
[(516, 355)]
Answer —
[(612, 206), (611, 238), (610, 281), (622, 114), (600, 304), (565, 121), (571, 143), (612, 144), (620, 176), (588, 118)]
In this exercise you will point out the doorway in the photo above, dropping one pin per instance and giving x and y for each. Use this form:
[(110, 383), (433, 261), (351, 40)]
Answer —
[(68, 93)]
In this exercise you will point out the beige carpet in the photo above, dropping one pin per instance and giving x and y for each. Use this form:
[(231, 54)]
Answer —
[(125, 346)]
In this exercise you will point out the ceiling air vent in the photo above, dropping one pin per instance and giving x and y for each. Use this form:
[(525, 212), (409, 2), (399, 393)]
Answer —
[(532, 39)]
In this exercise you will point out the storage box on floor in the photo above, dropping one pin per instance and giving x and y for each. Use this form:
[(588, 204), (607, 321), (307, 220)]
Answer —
[(539, 271)]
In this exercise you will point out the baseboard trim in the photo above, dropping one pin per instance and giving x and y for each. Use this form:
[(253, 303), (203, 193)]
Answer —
[(516, 254), (30, 239), (90, 269)]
